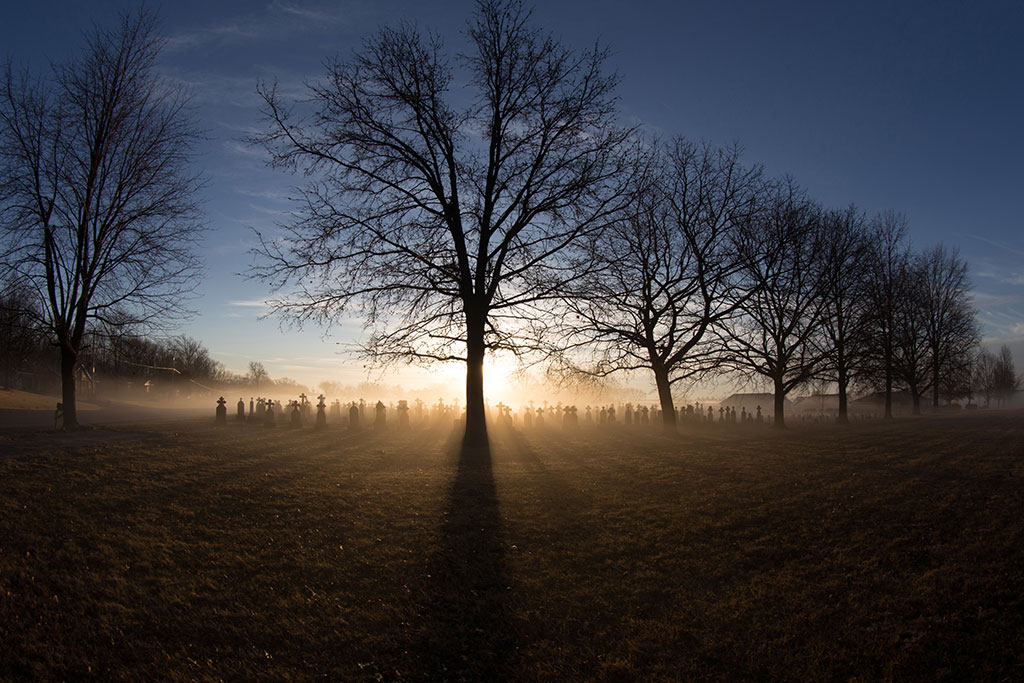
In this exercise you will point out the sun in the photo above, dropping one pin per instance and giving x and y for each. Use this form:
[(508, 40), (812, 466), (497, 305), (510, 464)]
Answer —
[(499, 379), (498, 373)]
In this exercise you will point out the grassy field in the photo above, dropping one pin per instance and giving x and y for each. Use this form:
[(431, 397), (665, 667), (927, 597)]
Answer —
[(181, 551)]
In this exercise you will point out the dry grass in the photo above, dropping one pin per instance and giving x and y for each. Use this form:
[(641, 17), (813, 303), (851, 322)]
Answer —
[(14, 399), (182, 551)]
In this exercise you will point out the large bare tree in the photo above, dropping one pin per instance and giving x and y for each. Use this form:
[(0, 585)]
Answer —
[(888, 258), (445, 194), (666, 273), (1005, 380), (98, 202), (911, 357), (951, 329), (778, 334), (844, 322)]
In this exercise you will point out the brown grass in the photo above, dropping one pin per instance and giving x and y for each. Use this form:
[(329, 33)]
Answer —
[(15, 399), (182, 551)]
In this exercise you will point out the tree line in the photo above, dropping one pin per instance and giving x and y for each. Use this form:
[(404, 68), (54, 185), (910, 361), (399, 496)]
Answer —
[(717, 269), (179, 365), (472, 201)]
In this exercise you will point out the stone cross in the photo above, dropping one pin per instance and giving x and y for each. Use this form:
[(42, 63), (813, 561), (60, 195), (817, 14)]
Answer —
[(321, 414)]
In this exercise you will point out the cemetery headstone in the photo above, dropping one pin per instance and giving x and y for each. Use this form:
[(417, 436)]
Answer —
[(321, 413)]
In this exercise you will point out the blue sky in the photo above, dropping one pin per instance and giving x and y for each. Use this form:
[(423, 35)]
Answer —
[(912, 106)]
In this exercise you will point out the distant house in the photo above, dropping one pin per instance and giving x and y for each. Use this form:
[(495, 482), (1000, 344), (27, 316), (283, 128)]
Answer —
[(815, 404), (874, 403)]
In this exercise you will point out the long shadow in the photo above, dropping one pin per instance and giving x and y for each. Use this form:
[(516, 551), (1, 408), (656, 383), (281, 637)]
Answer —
[(466, 631)]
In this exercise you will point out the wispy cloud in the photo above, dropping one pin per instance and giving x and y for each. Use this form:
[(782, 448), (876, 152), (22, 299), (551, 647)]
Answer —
[(308, 14), (248, 151), (250, 303), (999, 244), (234, 31), (278, 19), (273, 195), (1015, 278)]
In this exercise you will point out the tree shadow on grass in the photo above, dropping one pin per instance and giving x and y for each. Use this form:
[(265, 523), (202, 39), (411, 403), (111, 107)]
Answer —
[(467, 632)]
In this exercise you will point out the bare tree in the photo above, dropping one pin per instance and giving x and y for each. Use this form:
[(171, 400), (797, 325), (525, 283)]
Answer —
[(983, 377), (911, 360), (1004, 376), (935, 329), (444, 205), (845, 262), (665, 274), (888, 262), (257, 373), (98, 203), (777, 335), (951, 330), (20, 335), (956, 380), (193, 359)]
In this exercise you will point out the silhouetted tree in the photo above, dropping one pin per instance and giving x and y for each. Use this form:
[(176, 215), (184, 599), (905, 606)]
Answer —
[(887, 260), (20, 334), (257, 373), (444, 203), (935, 328), (957, 380), (777, 335), (193, 359), (667, 272), (911, 361), (845, 260), (983, 380), (951, 330), (98, 202), (1004, 376)]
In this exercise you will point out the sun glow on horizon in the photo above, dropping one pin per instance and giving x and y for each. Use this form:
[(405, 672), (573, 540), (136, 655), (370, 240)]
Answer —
[(499, 379)]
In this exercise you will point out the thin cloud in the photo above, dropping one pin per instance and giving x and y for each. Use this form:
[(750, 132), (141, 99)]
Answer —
[(277, 20), (1013, 278), (1002, 246), (233, 32), (248, 151), (308, 14)]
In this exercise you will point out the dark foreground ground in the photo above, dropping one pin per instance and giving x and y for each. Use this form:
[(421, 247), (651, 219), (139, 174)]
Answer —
[(185, 552)]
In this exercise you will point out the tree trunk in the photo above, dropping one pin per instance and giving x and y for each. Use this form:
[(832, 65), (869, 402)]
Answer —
[(916, 398), (843, 417), (888, 390), (668, 409), (935, 379), (476, 418), (780, 405), (68, 364)]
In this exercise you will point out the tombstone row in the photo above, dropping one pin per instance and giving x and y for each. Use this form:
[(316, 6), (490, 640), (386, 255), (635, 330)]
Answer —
[(264, 411), (297, 414)]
